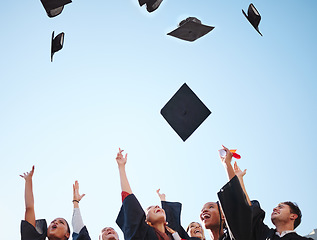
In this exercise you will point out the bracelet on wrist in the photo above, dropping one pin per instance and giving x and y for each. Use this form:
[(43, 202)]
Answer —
[(75, 201)]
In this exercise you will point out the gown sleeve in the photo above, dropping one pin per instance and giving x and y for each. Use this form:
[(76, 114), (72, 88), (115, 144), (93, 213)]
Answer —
[(259, 229), (82, 235), (173, 217), (131, 220), (238, 213), (29, 232)]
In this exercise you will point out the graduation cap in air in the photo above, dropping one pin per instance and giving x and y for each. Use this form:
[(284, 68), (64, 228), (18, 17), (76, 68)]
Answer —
[(54, 7), (57, 43), (190, 29), (253, 17), (151, 5), (185, 112)]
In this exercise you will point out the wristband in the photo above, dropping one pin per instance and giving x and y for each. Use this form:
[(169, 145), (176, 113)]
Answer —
[(75, 201)]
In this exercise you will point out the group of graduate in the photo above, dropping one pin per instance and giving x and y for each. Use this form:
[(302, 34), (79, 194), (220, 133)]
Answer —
[(233, 216)]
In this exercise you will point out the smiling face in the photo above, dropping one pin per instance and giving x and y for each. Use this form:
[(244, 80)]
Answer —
[(58, 229), (194, 229), (108, 233), (282, 214), (210, 215), (155, 214)]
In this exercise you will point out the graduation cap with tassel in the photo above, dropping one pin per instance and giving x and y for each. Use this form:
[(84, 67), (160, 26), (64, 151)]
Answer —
[(253, 17), (190, 29), (54, 7), (57, 43)]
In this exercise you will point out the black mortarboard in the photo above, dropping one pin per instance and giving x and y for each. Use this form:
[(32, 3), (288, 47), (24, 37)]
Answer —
[(57, 43), (151, 5), (190, 29), (54, 7), (184, 112), (253, 17)]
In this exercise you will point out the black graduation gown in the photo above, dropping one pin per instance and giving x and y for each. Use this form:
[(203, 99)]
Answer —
[(262, 232), (83, 234), (236, 209), (29, 232), (131, 220), (173, 218)]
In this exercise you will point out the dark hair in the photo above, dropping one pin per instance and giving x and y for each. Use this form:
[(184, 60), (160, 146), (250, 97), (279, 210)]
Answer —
[(295, 209), (68, 229)]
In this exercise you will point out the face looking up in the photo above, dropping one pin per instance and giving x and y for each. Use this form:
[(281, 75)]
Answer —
[(58, 229), (195, 230), (108, 233), (210, 215), (282, 214), (155, 214)]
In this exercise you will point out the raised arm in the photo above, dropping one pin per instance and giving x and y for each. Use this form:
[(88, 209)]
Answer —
[(28, 197), (240, 175), (226, 161), (77, 220), (162, 196), (125, 186)]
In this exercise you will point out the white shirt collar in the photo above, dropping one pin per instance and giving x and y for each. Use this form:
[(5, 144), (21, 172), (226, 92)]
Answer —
[(284, 233)]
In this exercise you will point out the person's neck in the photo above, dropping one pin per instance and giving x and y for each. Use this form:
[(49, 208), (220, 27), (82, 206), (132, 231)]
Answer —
[(159, 226), (214, 233), (284, 227)]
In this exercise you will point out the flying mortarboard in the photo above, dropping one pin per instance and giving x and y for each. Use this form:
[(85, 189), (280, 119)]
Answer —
[(57, 43), (151, 5), (253, 17), (185, 112), (54, 7), (190, 29)]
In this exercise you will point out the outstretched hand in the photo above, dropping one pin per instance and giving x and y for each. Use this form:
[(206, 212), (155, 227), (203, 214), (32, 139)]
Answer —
[(120, 159), (28, 175), (238, 171), (226, 159), (76, 195), (161, 196)]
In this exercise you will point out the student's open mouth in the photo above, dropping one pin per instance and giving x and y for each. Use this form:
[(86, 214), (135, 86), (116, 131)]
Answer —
[(205, 216)]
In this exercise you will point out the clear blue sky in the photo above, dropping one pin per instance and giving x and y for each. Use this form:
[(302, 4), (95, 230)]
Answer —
[(105, 90)]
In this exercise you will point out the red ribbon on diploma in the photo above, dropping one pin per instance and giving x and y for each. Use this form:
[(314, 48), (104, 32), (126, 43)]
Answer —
[(234, 154)]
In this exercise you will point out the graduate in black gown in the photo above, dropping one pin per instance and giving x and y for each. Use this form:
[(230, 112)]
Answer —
[(212, 216), (232, 208), (173, 217), (286, 216), (80, 231), (32, 229), (133, 221)]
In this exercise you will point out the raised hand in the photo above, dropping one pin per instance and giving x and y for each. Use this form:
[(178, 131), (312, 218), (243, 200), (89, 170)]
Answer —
[(120, 159), (238, 171), (76, 195), (28, 175), (226, 159), (161, 196), (28, 197), (125, 186), (240, 175)]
